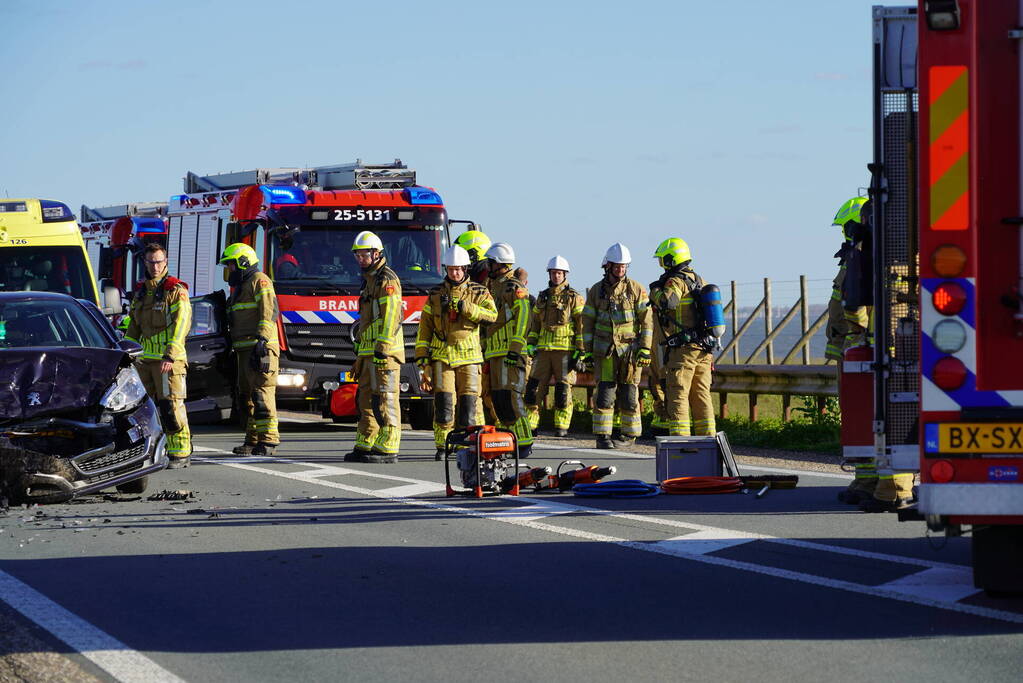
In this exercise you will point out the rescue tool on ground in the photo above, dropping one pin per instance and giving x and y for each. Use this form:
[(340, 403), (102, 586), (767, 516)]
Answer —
[(485, 457)]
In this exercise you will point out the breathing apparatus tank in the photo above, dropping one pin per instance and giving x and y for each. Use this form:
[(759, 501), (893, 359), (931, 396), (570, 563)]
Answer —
[(713, 311)]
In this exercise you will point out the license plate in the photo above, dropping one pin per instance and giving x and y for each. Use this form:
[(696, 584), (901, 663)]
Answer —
[(346, 376), (979, 437)]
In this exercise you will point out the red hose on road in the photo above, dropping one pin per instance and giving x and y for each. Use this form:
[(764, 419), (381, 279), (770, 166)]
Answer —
[(701, 485)]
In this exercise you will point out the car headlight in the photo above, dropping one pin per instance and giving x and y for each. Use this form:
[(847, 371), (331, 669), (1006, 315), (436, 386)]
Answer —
[(125, 393)]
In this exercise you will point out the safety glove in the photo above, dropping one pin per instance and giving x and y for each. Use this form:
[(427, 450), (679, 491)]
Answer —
[(643, 358), (422, 361), (579, 360), (259, 360), (531, 350), (379, 359), (512, 359)]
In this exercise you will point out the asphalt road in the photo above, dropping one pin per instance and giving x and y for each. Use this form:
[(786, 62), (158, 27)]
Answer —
[(304, 567)]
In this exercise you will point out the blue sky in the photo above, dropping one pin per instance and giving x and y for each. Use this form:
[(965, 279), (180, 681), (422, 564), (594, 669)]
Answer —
[(560, 126)]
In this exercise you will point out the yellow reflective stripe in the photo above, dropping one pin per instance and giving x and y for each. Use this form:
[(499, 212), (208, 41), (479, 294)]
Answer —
[(521, 309), (264, 291), (390, 304), (238, 307), (243, 343), (182, 324)]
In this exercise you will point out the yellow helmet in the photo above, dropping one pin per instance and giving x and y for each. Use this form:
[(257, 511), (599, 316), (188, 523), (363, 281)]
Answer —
[(242, 254), (475, 242), (673, 252), (850, 211)]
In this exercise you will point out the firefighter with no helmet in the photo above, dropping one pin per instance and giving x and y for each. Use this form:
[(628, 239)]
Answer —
[(617, 333), (686, 346), (506, 344), (555, 341), (160, 319), (380, 354), (449, 343), (253, 312)]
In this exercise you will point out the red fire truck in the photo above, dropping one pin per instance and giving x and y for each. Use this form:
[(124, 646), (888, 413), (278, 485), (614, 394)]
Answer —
[(114, 235), (302, 223), (948, 269)]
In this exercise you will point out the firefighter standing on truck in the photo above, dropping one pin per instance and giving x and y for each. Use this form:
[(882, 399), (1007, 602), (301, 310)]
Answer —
[(160, 319), (556, 342), (505, 346), (617, 333), (253, 312), (686, 346), (381, 353), (449, 343), (841, 337)]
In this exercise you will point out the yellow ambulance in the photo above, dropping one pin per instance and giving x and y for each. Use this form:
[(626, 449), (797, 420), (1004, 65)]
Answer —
[(41, 249)]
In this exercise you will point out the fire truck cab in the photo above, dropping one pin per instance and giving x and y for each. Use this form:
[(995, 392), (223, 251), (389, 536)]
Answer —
[(302, 223)]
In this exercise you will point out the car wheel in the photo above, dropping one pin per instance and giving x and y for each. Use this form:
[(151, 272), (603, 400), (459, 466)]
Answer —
[(136, 486)]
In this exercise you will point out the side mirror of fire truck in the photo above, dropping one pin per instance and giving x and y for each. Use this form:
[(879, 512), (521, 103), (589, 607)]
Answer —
[(112, 303)]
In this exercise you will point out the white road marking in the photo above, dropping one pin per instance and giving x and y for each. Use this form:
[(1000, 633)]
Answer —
[(97, 646), (411, 490), (955, 583)]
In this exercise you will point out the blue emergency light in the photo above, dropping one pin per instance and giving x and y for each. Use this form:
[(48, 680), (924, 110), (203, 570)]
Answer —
[(148, 225), (55, 211), (283, 194), (423, 195)]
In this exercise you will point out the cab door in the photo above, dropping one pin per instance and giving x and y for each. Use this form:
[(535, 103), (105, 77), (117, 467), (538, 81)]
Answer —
[(211, 372)]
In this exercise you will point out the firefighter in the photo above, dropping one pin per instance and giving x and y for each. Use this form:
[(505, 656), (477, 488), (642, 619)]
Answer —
[(556, 340), (685, 346), (617, 333), (449, 342), (253, 322), (655, 374), (381, 352), (160, 318), (475, 242), (841, 337), (505, 346)]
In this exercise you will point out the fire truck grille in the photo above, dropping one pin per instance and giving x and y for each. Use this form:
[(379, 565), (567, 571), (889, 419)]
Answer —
[(332, 342)]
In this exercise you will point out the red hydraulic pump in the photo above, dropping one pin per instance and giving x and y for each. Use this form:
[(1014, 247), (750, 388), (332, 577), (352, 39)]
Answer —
[(856, 401)]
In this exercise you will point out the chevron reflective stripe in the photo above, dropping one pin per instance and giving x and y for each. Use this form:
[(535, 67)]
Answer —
[(933, 398), (320, 317), (949, 172)]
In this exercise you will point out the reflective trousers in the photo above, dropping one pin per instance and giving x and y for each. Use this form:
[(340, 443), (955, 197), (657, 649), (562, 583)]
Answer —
[(655, 383), (548, 364), (456, 394), (169, 391), (507, 385), (687, 392), (617, 384), (379, 427), (257, 398)]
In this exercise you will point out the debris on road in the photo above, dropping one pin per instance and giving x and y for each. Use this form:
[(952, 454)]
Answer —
[(172, 495)]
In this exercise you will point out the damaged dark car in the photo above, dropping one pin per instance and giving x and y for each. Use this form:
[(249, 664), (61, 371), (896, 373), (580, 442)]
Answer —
[(74, 416)]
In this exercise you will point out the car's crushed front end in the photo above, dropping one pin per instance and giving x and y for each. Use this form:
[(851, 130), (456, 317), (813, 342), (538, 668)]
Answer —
[(74, 421)]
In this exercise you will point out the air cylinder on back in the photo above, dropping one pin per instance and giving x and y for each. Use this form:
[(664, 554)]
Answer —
[(713, 311)]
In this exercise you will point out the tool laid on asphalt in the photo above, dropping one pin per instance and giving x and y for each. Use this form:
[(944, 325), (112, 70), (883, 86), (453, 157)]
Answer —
[(621, 488), (563, 481), (534, 476), (484, 456), (701, 485), (766, 482)]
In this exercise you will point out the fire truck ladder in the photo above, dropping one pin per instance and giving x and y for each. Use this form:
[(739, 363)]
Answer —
[(109, 213), (353, 176)]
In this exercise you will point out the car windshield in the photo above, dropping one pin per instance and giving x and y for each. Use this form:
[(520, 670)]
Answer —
[(319, 257), (37, 322), (45, 269)]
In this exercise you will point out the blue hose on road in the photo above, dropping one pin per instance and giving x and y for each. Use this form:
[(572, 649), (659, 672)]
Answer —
[(622, 488)]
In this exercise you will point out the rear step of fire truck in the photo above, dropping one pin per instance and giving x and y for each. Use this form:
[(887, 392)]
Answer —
[(354, 176)]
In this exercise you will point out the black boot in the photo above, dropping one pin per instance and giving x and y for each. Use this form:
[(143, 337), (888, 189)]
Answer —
[(179, 463), (244, 449), (264, 449), (439, 455), (377, 458), (875, 505), (525, 451), (605, 442), (561, 433), (355, 456)]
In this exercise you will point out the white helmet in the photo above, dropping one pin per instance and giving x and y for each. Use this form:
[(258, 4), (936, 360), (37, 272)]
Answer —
[(558, 263), (501, 252), (617, 253), (455, 256), (367, 240)]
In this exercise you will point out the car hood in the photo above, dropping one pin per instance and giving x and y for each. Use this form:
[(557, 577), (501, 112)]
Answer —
[(42, 382)]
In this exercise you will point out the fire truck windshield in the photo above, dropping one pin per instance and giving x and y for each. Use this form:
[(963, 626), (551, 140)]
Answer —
[(320, 258)]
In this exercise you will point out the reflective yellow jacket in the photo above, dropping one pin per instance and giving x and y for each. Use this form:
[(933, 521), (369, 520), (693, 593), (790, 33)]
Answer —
[(253, 312), (161, 317), (457, 341)]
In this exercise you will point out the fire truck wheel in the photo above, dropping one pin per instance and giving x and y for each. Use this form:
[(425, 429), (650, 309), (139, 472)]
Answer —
[(420, 414), (998, 560)]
